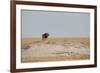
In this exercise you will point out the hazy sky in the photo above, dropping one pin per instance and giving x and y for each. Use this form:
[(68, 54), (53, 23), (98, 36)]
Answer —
[(57, 24)]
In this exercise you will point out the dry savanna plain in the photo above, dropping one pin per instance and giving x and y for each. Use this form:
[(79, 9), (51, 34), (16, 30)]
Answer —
[(54, 49)]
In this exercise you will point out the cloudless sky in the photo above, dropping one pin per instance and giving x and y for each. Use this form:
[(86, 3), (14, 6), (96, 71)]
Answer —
[(57, 24)]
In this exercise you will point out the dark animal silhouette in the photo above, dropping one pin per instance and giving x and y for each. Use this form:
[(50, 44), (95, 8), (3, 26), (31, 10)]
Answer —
[(45, 36)]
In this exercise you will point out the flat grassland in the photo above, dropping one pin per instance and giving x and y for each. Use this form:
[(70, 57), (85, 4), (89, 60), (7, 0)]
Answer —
[(54, 49)]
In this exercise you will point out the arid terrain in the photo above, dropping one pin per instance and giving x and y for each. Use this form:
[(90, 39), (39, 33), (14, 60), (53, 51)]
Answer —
[(54, 49)]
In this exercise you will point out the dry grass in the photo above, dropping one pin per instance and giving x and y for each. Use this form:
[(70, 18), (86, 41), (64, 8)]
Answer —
[(57, 58), (59, 54), (85, 41)]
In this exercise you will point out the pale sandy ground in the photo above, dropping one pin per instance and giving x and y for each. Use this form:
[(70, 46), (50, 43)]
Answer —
[(56, 51)]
